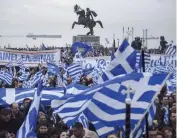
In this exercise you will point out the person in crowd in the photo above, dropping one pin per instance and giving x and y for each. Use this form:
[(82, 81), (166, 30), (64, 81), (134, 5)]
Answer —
[(17, 118), (14, 83), (25, 106), (167, 132), (112, 136), (6, 134), (173, 123), (5, 117), (159, 135), (80, 132), (163, 43), (42, 130), (136, 44), (63, 134)]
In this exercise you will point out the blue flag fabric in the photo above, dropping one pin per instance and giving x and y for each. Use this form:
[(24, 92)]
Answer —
[(92, 101), (29, 125), (17, 95), (123, 62), (80, 46), (43, 47), (10, 95), (52, 68), (75, 71), (6, 76), (171, 50)]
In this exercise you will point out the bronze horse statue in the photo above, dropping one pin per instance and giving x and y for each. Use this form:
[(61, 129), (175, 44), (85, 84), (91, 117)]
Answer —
[(86, 21)]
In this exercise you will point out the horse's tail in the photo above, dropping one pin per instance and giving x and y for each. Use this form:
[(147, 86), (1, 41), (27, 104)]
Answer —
[(100, 23)]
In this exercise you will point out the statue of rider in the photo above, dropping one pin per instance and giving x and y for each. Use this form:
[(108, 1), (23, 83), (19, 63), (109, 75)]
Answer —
[(89, 17)]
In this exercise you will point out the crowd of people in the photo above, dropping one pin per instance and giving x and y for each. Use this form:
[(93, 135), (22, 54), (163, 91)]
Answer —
[(95, 52), (12, 117), (49, 126)]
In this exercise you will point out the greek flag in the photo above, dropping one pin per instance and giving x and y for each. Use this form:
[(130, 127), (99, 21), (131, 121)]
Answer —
[(74, 71), (123, 63), (140, 128), (171, 84), (102, 130), (75, 89), (83, 120), (139, 63), (9, 64), (32, 82), (23, 76), (10, 95), (92, 101), (171, 50), (52, 68), (29, 125), (6, 76), (20, 64)]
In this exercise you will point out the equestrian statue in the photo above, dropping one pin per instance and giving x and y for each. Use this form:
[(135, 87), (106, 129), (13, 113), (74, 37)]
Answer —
[(86, 19)]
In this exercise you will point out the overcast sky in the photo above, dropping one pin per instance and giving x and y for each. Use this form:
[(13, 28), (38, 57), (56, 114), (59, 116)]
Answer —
[(20, 17)]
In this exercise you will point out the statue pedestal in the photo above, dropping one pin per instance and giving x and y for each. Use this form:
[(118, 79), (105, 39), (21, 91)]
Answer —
[(90, 39)]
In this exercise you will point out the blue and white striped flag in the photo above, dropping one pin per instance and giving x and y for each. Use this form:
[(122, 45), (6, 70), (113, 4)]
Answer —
[(74, 71), (140, 128), (10, 95), (102, 130), (24, 75), (123, 63), (20, 64), (92, 101), (6, 76), (139, 63), (29, 125), (75, 88), (52, 68), (171, 50), (9, 64)]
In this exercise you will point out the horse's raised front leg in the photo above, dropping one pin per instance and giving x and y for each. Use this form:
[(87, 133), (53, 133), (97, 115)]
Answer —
[(74, 24)]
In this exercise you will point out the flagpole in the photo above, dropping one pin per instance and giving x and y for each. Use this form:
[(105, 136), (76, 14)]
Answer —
[(146, 116), (127, 121), (128, 112)]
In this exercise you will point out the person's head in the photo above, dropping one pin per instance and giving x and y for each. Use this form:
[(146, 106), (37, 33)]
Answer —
[(26, 102), (165, 100), (167, 132), (112, 136), (41, 113), (20, 83), (43, 127), (152, 134), (42, 118), (78, 130), (15, 108), (63, 134), (15, 82), (173, 117), (44, 70), (5, 115), (174, 95), (87, 9), (162, 38), (32, 71), (5, 134), (54, 133), (159, 135), (173, 108)]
